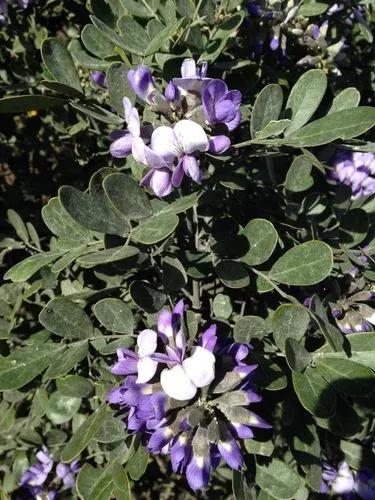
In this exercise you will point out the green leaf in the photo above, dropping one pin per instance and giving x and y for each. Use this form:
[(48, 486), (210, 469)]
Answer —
[(262, 237), (95, 42), (272, 129), (174, 275), (59, 222), (181, 204), (60, 63), (103, 487), (83, 435), (121, 483), (148, 298), (107, 256), (111, 430), (278, 479), (138, 9), (86, 478), (314, 393), (82, 58), (264, 448), (118, 87), (164, 35), (347, 99), (126, 195), (24, 103), (114, 315), (346, 375), (222, 306), (297, 357), (134, 36), (73, 354), (23, 365), (232, 274), (309, 9), (97, 112), (75, 386), (18, 224), (155, 229), (66, 319), (353, 229), (362, 349), (137, 465), (303, 265), (289, 320), (61, 409), (113, 37), (62, 88), (250, 327), (299, 176), (267, 108), (94, 210), (345, 124), (345, 422), (68, 258), (357, 456), (26, 268), (305, 98)]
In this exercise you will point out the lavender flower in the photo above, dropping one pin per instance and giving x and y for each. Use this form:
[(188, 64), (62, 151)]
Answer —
[(356, 170), (36, 479), (193, 104), (191, 400)]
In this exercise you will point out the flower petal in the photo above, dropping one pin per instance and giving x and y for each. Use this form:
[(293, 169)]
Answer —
[(146, 342), (188, 68), (138, 150), (131, 117), (122, 147), (146, 369), (176, 384), (219, 144), (191, 168), (200, 367), (165, 144), (190, 136)]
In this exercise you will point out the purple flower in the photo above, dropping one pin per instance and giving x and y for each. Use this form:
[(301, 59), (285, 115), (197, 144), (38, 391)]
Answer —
[(195, 406), (99, 77), (356, 170), (36, 479), (36, 475), (221, 105), (67, 473), (142, 82), (338, 480), (193, 79)]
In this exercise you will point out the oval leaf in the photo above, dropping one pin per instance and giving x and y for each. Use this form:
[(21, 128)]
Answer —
[(66, 319)]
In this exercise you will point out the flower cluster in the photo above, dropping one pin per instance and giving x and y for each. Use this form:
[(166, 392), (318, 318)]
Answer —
[(352, 314), (37, 480), (276, 25), (191, 401), (192, 109), (356, 170), (341, 481)]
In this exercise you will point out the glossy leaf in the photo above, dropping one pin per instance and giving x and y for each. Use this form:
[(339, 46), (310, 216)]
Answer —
[(299, 177), (147, 297), (107, 256), (267, 107), (289, 321), (314, 393), (155, 229), (250, 327), (29, 266), (347, 99), (126, 195), (278, 479), (58, 221)]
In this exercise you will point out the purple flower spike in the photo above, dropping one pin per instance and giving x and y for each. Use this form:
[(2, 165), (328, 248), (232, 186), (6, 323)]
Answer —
[(196, 407), (171, 92), (221, 105), (142, 82), (356, 170)]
